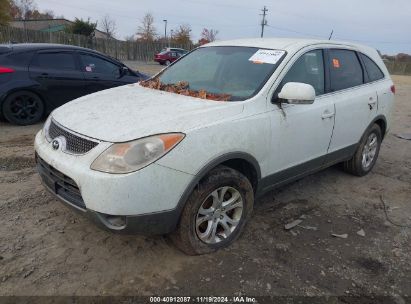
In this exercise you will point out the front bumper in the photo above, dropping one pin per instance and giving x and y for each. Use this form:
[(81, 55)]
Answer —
[(146, 201), (148, 224)]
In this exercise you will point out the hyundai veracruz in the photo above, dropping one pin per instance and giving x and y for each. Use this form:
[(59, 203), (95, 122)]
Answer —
[(188, 151)]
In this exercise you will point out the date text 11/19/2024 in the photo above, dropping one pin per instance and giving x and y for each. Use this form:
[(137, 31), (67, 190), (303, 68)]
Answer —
[(203, 299)]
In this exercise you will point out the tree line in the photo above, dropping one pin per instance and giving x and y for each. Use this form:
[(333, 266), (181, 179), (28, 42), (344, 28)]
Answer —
[(146, 31), (27, 10), (22, 9)]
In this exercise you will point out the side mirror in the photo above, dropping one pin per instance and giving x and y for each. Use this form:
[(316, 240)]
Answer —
[(297, 93)]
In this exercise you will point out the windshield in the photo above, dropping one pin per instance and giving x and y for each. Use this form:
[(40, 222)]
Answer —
[(221, 73)]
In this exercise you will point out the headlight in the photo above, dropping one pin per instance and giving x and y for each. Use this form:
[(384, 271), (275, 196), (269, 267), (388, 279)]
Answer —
[(135, 155)]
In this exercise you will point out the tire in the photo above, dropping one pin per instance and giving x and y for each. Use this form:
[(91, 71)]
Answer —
[(366, 154), (23, 108), (223, 182), (1, 115), (168, 62)]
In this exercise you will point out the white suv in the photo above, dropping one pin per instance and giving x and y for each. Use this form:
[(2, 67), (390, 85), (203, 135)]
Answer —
[(188, 152)]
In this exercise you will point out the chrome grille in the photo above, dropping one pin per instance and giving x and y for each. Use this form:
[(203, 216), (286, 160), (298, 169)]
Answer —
[(74, 143)]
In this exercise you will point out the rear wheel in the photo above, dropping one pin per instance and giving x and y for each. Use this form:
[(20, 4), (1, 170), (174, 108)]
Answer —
[(367, 153), (215, 213), (23, 108)]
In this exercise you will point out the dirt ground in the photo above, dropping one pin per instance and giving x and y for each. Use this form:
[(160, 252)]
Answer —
[(48, 249)]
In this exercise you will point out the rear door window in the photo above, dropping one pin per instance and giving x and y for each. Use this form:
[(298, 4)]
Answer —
[(373, 71), (345, 70), (62, 61)]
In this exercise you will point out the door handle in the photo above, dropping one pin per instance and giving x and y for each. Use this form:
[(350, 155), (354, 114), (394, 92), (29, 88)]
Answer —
[(327, 114), (372, 101)]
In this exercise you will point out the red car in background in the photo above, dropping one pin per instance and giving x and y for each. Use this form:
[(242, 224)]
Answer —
[(169, 55)]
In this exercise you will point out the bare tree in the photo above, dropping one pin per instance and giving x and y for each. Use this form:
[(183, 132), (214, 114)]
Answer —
[(5, 7), (35, 15), (22, 9), (209, 34), (109, 26), (146, 31), (182, 34), (49, 13)]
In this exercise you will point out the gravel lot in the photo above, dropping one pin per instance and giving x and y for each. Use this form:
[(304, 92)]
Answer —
[(149, 68), (47, 249)]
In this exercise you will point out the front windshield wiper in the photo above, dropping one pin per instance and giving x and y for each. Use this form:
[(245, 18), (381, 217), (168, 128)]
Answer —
[(183, 88)]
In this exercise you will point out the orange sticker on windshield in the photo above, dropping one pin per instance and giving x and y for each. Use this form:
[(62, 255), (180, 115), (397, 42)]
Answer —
[(336, 63), (257, 62)]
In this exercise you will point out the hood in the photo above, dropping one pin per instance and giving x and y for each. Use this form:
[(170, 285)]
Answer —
[(132, 111)]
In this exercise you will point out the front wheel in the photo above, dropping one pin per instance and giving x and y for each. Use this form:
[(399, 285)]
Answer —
[(215, 213), (23, 108), (168, 62), (367, 153)]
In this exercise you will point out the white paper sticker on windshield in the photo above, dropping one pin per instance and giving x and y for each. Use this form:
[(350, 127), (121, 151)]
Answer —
[(267, 56)]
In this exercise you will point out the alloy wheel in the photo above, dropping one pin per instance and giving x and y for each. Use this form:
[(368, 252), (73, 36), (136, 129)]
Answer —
[(219, 215), (369, 151), (25, 108)]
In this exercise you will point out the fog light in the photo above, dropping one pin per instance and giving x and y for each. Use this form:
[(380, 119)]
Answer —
[(115, 222)]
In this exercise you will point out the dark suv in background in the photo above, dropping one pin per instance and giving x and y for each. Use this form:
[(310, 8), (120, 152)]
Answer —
[(36, 78)]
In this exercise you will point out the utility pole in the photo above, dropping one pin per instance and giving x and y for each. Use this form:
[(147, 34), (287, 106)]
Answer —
[(263, 22), (165, 30)]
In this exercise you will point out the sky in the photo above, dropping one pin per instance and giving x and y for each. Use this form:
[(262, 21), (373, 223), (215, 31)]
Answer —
[(382, 24)]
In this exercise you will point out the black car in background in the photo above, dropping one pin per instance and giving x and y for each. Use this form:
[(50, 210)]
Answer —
[(37, 78)]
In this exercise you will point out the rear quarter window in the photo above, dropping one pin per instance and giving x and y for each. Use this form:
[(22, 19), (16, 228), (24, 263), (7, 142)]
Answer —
[(373, 71), (345, 70), (16, 59)]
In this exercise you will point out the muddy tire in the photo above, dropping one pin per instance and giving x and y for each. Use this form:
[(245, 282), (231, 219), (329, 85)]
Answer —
[(366, 154), (215, 213)]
